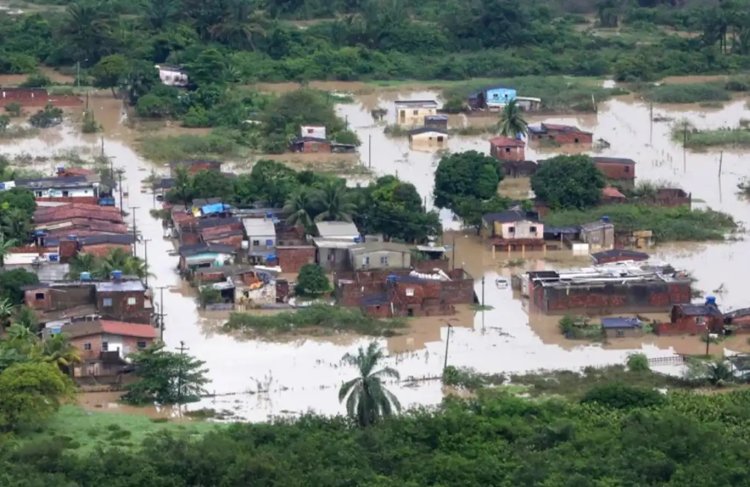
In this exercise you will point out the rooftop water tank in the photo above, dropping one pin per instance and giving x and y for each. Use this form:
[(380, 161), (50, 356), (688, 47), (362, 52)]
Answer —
[(605, 219), (85, 276), (116, 275), (710, 300)]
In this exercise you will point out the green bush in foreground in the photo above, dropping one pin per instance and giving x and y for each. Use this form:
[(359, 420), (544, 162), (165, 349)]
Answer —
[(668, 224), (319, 316)]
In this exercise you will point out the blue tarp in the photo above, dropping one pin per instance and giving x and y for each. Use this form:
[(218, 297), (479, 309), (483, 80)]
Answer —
[(620, 323), (214, 208)]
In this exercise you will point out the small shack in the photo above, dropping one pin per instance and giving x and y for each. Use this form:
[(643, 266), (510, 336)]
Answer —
[(621, 327), (507, 149)]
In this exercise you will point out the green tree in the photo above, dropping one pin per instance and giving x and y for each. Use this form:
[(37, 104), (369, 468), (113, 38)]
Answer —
[(367, 399), (140, 78), (30, 393), (110, 72), (5, 246), (211, 184), (58, 350), (512, 123), (4, 122), (465, 181), (568, 182), (243, 21), (638, 362), (165, 377), (6, 311), (119, 260), (312, 281), (81, 262), (12, 282), (208, 67), (298, 208), (87, 28), (183, 187), (48, 117), (333, 203)]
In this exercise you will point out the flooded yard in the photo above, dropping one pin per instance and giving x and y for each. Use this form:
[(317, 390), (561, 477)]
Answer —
[(259, 379)]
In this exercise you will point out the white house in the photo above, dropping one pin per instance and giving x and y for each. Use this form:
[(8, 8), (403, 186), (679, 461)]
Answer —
[(172, 75), (313, 131)]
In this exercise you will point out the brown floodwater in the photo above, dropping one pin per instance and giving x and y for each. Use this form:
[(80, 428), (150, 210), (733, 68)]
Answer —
[(261, 378)]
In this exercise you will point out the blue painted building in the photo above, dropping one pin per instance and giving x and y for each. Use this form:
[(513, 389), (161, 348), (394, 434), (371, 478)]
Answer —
[(492, 98)]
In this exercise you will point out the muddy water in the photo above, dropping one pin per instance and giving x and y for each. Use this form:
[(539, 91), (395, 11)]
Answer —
[(257, 379)]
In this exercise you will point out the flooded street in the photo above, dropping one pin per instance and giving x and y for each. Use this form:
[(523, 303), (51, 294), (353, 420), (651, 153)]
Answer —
[(258, 379)]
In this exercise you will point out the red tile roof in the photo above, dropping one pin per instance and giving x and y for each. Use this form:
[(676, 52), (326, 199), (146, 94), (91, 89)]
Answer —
[(77, 210), (611, 192), (128, 329), (501, 141)]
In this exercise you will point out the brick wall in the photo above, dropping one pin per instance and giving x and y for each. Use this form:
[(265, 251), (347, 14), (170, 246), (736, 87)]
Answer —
[(291, 259)]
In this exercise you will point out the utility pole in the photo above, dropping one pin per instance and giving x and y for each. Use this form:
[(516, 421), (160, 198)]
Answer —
[(721, 161), (453, 252), (145, 254), (119, 186), (182, 350), (161, 314), (684, 147), (651, 123), (447, 343), (78, 74), (369, 151), (708, 338), (482, 291), (135, 229)]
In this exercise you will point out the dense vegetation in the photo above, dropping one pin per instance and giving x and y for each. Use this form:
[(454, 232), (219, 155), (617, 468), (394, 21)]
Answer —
[(318, 317), (387, 206), (568, 182), (668, 224), (616, 435)]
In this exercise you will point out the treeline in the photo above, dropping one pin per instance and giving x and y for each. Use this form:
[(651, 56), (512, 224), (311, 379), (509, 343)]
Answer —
[(383, 39), (615, 435)]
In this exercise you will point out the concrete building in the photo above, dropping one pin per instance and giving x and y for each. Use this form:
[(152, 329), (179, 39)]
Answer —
[(313, 131), (507, 149), (70, 189), (439, 122), (337, 231), (172, 75), (618, 170), (380, 255), (560, 134), (600, 235), (123, 300), (493, 98), (412, 113), (333, 254), (202, 255), (428, 136), (622, 327), (514, 229)]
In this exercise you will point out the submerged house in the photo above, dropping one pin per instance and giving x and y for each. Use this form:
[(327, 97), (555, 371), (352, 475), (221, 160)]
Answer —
[(621, 327), (412, 113), (617, 170), (514, 229), (380, 255), (428, 136), (508, 149), (693, 319), (492, 98), (560, 134)]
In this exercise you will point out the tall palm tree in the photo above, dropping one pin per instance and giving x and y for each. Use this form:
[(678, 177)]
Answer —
[(512, 123), (297, 209), (334, 203), (87, 28), (5, 246), (119, 260), (58, 350), (241, 23), (6, 310), (367, 400)]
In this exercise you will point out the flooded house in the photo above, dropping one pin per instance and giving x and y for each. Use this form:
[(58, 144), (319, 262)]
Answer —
[(380, 255), (737, 321), (220, 231), (428, 136), (693, 319), (493, 98), (559, 134), (121, 299), (621, 327), (618, 255), (514, 229), (260, 240), (618, 288), (67, 189), (439, 122), (612, 196), (671, 197), (599, 235), (104, 345), (310, 145), (412, 113), (529, 103), (401, 292), (618, 170), (203, 255), (508, 149), (172, 75)]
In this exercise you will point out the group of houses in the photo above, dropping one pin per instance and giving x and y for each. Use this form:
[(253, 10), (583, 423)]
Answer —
[(108, 317), (313, 139)]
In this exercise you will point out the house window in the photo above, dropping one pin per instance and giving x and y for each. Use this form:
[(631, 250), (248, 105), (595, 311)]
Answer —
[(256, 243), (511, 229), (410, 291), (626, 169), (65, 194), (105, 346), (416, 112), (384, 260), (269, 243), (575, 141), (532, 229), (38, 194), (440, 138), (366, 260), (131, 301), (141, 344), (107, 302), (620, 333), (507, 149), (39, 296), (87, 346)]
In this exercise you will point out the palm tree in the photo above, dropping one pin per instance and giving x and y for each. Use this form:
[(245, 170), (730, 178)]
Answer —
[(367, 400), (87, 28), (6, 310), (5, 246), (81, 263), (334, 203), (58, 350), (512, 123), (119, 260), (297, 208), (242, 21)]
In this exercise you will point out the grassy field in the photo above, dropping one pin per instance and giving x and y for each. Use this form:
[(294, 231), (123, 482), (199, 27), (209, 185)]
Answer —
[(178, 147), (698, 139), (85, 431), (688, 93)]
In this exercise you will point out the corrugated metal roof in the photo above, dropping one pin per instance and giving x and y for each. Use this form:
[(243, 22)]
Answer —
[(259, 227), (337, 229)]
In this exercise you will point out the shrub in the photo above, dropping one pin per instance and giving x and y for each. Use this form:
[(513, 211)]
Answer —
[(621, 396), (687, 93), (49, 117), (638, 362), (14, 109), (312, 281), (36, 80)]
